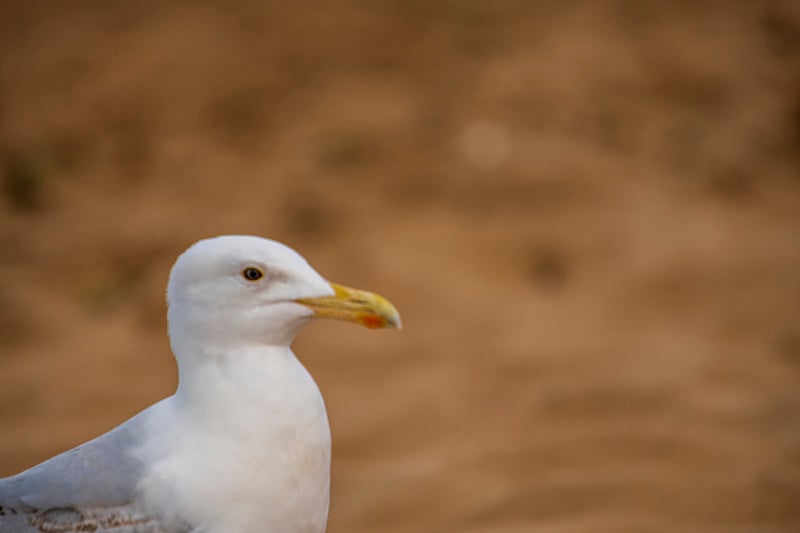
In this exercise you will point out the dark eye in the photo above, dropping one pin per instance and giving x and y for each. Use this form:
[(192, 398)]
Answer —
[(252, 274)]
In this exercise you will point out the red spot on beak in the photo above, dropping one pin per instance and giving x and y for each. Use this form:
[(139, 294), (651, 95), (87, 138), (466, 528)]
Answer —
[(372, 322)]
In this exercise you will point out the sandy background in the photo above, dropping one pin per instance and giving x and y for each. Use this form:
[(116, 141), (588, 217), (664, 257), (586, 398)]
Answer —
[(588, 214)]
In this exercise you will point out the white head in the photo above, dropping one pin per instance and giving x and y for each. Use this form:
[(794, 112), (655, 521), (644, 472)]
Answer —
[(256, 291)]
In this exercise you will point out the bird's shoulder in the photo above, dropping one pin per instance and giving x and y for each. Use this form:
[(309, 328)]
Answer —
[(102, 472)]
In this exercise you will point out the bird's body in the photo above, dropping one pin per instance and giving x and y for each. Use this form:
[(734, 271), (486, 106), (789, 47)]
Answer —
[(243, 444)]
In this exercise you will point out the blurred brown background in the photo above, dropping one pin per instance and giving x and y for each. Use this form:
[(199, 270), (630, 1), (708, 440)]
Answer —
[(588, 214)]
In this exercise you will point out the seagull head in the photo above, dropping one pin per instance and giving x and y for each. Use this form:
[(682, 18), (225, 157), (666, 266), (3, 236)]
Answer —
[(249, 290)]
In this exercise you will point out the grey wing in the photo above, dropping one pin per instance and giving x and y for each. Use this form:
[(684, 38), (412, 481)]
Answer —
[(117, 519), (89, 488)]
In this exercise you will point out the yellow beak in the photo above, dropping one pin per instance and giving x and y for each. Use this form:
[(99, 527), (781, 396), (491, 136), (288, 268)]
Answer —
[(366, 308)]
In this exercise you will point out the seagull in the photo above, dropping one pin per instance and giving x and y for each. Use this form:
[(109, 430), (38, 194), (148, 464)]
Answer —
[(243, 445)]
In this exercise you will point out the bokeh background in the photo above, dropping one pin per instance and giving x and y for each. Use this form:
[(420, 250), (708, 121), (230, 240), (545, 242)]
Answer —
[(587, 212)]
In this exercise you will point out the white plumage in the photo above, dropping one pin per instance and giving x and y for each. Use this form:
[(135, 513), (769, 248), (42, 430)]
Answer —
[(244, 443)]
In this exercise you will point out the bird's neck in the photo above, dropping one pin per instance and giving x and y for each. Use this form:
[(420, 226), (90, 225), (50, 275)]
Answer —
[(256, 376), (251, 414)]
